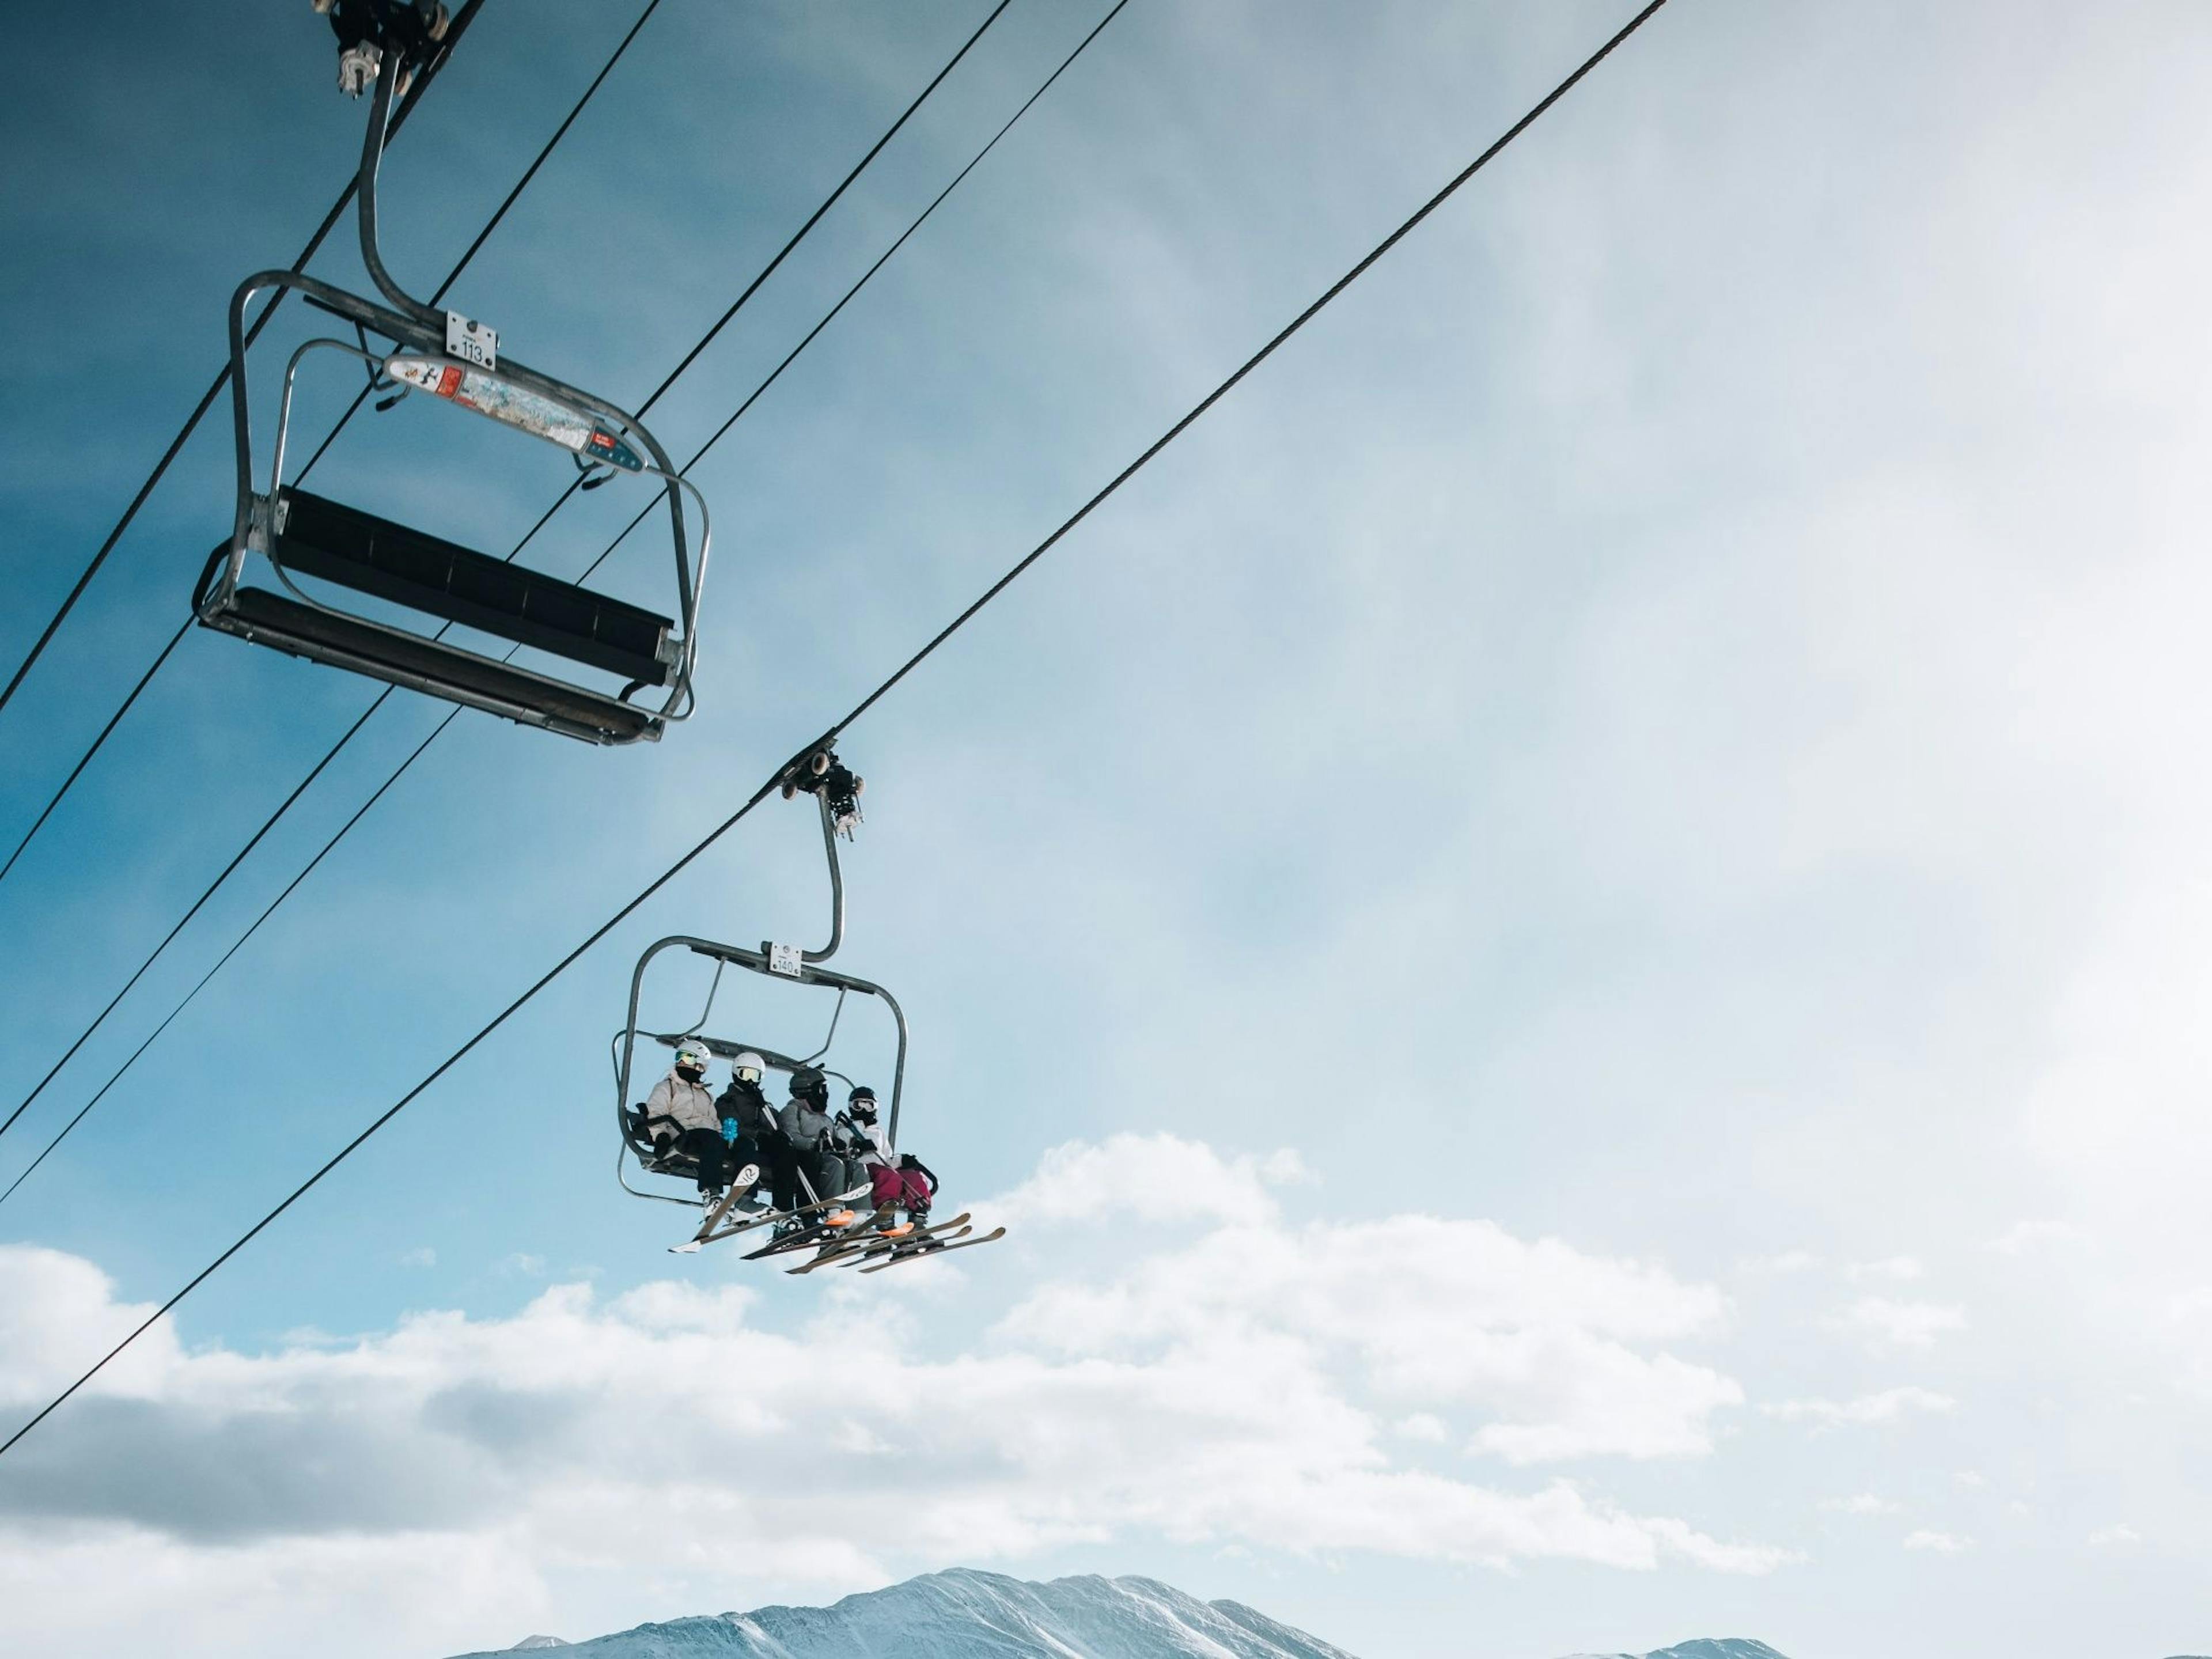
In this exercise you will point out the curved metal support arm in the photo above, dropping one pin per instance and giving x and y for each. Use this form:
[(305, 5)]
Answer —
[(836, 886), (372, 161)]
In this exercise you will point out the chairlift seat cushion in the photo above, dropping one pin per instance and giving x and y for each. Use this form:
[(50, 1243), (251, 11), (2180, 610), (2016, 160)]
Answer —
[(370, 554)]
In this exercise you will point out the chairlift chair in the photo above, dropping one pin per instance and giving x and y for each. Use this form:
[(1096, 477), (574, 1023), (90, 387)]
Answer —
[(446, 356), (771, 960)]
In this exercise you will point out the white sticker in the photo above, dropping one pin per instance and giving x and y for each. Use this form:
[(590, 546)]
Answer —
[(786, 959), (472, 342)]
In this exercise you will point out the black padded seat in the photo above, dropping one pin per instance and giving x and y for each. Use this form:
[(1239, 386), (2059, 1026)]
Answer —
[(324, 538)]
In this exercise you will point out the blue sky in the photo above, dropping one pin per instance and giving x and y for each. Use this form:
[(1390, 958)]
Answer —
[(1572, 937)]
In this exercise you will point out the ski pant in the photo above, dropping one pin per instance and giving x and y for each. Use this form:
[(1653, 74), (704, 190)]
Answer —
[(706, 1146), (823, 1170), (899, 1189)]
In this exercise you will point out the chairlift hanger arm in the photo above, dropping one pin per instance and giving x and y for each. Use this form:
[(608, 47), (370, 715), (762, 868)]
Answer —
[(372, 161)]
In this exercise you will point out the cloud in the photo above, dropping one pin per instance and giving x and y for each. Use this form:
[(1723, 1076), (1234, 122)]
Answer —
[(1776, 1267), (1889, 1323), (2104, 1536), (1901, 1268), (1864, 1503), (421, 1256), (1546, 1343), (1156, 1178), (1942, 1543), (2025, 1236), (595, 1460), (1887, 1406)]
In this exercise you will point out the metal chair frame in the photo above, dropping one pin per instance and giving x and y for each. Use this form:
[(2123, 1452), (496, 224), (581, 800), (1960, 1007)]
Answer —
[(305, 627), (772, 961)]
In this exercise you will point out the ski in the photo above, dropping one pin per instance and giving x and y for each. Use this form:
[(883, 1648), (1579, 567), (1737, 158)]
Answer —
[(851, 1247), (762, 1219), (721, 1207), (919, 1251), (813, 1234)]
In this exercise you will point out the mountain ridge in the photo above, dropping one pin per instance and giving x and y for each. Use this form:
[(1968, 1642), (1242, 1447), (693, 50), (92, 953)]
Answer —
[(964, 1614)]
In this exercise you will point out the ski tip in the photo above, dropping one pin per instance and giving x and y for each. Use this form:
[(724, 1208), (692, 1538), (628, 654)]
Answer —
[(689, 1248)]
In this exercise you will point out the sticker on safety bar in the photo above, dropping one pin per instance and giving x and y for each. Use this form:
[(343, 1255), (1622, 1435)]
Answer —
[(518, 406)]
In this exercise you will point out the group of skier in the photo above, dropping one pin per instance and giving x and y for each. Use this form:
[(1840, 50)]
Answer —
[(801, 1153)]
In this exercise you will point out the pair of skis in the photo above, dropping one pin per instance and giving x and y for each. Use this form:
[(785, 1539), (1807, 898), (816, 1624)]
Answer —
[(718, 1225), (867, 1242), (877, 1248)]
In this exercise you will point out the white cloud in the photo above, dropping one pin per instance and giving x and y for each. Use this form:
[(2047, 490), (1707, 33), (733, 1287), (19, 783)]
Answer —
[(1778, 1267), (1890, 1323), (1155, 1178), (1974, 1478), (587, 1463), (1864, 1502), (2025, 1236), (421, 1256), (1901, 1268), (1887, 1406), (2118, 1534), (1548, 1342), (1942, 1543)]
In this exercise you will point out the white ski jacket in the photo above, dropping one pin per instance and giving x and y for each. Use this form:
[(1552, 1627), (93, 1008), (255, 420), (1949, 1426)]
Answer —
[(690, 1104)]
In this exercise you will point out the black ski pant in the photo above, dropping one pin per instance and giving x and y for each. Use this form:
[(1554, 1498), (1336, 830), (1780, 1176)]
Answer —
[(707, 1148)]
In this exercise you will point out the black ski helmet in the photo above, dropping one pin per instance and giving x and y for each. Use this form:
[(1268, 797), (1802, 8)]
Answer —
[(807, 1083), (862, 1101)]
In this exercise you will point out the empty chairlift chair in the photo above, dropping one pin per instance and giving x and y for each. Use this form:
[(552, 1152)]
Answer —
[(299, 533)]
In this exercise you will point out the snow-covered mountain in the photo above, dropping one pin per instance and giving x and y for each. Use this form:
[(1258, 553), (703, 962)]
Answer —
[(963, 1615)]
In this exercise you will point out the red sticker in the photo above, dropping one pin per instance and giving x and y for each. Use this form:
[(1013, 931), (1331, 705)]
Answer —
[(449, 382)]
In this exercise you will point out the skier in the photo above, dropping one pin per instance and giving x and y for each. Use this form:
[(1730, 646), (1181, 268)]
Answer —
[(681, 1117), (860, 1138), (904, 1182), (749, 1128), (367, 29), (812, 1160)]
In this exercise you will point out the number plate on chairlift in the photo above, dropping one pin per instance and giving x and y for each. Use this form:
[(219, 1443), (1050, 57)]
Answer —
[(518, 406), (472, 342), (786, 959)]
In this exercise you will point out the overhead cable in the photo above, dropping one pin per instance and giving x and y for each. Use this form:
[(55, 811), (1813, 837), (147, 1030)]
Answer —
[(351, 410), (752, 398), (768, 787), (459, 27), (254, 840)]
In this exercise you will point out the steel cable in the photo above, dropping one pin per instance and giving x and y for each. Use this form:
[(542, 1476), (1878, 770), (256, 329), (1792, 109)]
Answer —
[(459, 26), (253, 840), (752, 398), (351, 410), (861, 709)]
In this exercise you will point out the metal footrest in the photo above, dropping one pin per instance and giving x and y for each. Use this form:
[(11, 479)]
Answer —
[(407, 660)]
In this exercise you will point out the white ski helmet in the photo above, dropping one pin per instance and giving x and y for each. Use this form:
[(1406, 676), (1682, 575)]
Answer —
[(748, 1062), (690, 1058)]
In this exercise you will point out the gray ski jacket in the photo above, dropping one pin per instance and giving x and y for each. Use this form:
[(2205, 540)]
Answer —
[(802, 1125), (688, 1103)]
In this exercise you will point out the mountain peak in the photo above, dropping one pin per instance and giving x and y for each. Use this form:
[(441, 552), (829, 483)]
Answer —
[(964, 1614), (1705, 1647)]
